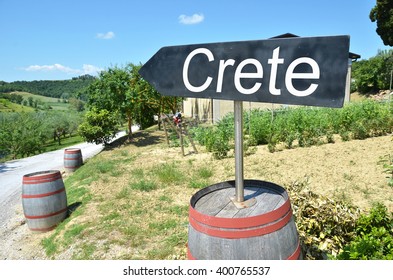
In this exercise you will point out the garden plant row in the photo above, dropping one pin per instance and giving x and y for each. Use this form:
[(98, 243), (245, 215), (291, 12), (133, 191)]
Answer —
[(299, 127)]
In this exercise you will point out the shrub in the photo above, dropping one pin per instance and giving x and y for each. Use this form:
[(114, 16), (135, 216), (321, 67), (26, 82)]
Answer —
[(387, 162), (217, 142), (304, 126), (99, 126), (259, 126), (374, 237)]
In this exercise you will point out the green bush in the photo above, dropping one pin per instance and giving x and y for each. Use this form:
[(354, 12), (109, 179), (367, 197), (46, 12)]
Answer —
[(387, 163), (99, 126), (217, 142), (259, 126), (216, 138), (374, 237)]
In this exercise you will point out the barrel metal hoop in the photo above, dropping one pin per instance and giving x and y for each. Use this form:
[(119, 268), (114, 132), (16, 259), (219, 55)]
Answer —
[(296, 254), (43, 194), (47, 215), (72, 151), (248, 222), (35, 178), (241, 222), (241, 233)]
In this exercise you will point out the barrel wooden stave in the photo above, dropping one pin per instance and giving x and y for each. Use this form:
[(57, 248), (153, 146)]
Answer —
[(279, 245), (44, 200)]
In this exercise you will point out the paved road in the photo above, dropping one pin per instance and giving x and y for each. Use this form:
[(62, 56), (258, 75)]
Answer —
[(11, 173)]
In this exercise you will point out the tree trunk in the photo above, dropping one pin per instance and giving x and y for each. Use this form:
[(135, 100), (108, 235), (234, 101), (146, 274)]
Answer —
[(129, 119)]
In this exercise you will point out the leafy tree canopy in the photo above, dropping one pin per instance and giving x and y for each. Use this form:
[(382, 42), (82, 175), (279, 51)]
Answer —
[(382, 13), (123, 90), (58, 89), (373, 74)]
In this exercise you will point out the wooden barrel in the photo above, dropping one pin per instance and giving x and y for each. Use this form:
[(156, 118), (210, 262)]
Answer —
[(218, 230), (72, 159), (44, 200)]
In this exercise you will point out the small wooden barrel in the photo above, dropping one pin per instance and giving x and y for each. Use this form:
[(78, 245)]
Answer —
[(44, 200), (72, 159), (220, 231)]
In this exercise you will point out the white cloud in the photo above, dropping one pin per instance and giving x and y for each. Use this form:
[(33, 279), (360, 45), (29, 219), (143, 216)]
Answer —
[(106, 36), (194, 19), (91, 69), (86, 69), (54, 67)]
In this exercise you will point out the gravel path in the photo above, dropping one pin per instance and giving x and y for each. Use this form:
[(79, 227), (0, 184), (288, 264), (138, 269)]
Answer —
[(17, 241)]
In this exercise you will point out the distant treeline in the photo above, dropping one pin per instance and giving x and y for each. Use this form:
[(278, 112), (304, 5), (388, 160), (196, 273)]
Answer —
[(58, 89)]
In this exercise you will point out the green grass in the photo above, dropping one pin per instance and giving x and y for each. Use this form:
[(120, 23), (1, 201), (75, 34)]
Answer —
[(198, 184), (8, 106), (205, 172), (72, 233), (168, 173), (49, 245), (145, 186), (86, 252), (55, 103)]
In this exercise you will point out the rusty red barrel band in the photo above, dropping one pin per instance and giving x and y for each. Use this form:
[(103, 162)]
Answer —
[(44, 178), (43, 194), (296, 254), (47, 215), (241, 222), (189, 255), (39, 181), (241, 233), (72, 151)]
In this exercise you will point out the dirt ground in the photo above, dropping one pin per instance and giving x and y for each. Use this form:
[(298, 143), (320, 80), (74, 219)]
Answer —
[(344, 170)]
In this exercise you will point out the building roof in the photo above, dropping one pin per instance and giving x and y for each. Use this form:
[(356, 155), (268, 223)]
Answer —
[(353, 56)]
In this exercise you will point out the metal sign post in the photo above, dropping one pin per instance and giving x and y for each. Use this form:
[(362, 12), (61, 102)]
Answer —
[(239, 176), (238, 200)]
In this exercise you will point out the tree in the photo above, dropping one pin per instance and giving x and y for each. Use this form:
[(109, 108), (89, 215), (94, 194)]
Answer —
[(151, 101), (373, 74), (77, 104), (31, 101), (382, 13), (24, 137), (99, 126), (123, 91), (113, 92)]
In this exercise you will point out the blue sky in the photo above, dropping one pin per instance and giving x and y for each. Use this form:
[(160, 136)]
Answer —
[(61, 39)]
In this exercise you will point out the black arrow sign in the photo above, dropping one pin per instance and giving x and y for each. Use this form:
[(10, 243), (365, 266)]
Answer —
[(298, 71)]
